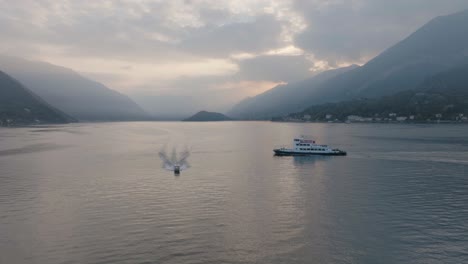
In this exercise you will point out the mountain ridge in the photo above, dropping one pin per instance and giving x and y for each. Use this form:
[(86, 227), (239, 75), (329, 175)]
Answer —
[(73, 94), (437, 46), (441, 96), (20, 106)]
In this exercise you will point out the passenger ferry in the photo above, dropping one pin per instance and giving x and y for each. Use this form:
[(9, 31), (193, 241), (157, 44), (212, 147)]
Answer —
[(305, 147)]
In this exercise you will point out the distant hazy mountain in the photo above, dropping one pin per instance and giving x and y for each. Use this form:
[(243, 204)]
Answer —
[(19, 106), (208, 116), (437, 46), (71, 93), (442, 96), (283, 99), (167, 107)]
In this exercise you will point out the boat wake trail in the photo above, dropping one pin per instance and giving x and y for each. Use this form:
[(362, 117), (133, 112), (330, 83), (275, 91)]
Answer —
[(173, 161)]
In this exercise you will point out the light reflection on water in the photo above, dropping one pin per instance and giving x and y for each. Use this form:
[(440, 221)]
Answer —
[(95, 193)]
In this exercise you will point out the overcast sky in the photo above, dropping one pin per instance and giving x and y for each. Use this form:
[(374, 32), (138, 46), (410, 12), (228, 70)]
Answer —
[(221, 50)]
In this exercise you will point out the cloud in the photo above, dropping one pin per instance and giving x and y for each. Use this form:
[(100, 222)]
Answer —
[(261, 33), (143, 30)]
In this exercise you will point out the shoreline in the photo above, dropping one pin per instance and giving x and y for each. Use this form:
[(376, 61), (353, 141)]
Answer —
[(391, 122)]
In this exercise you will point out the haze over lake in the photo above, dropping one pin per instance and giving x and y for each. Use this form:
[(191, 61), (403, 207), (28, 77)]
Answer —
[(97, 193)]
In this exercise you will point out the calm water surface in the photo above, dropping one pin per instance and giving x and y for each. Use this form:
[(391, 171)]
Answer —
[(96, 193)]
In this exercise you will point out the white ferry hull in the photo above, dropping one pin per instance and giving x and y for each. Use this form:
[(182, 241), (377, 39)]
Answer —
[(290, 152)]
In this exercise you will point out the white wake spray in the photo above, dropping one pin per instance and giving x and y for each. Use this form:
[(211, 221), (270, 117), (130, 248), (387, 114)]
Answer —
[(169, 163)]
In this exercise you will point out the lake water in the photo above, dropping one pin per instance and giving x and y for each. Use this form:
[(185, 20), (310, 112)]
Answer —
[(96, 193)]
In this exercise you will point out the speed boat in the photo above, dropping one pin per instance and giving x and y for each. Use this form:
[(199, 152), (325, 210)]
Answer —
[(304, 147), (176, 170)]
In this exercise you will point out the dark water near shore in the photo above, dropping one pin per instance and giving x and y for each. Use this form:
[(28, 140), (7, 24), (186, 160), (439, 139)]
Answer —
[(96, 193)]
